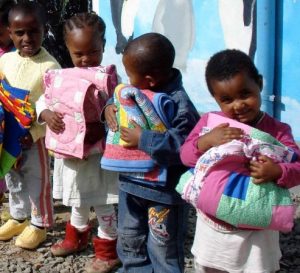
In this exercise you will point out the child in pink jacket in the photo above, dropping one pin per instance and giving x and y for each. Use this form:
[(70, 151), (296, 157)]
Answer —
[(236, 85)]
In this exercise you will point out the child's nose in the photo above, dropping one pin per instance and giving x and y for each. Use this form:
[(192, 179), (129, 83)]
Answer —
[(85, 59), (238, 105)]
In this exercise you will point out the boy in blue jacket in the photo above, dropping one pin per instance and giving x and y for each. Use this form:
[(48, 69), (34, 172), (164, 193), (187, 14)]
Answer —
[(151, 218)]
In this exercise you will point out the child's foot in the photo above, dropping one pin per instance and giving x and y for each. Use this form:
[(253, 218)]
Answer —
[(74, 241), (31, 237), (100, 266), (12, 228)]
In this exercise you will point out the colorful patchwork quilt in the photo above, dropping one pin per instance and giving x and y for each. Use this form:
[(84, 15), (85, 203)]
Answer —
[(152, 111), (16, 116), (221, 187)]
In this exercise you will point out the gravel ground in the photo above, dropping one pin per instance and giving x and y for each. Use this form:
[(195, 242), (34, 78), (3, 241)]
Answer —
[(14, 259)]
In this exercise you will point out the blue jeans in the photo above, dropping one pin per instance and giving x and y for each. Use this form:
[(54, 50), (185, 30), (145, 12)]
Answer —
[(150, 235)]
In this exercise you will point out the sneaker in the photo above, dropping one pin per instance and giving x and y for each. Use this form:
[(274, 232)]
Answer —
[(12, 228), (100, 266), (31, 237)]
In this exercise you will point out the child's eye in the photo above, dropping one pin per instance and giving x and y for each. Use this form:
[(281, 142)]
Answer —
[(246, 94), (19, 33), (226, 100)]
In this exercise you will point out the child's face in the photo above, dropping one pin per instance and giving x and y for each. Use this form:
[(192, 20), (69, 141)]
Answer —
[(239, 97), (5, 40), (85, 47), (135, 78), (26, 32)]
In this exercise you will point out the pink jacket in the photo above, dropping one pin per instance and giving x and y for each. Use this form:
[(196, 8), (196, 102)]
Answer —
[(79, 94)]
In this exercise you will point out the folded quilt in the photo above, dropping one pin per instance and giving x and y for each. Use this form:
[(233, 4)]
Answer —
[(18, 116), (79, 94), (152, 111), (221, 187)]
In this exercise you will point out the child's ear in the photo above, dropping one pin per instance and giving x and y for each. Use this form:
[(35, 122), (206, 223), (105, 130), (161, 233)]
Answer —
[(9, 32), (151, 81), (260, 83), (104, 43)]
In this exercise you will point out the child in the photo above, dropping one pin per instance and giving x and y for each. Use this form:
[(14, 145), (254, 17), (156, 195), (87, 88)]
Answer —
[(149, 236), (84, 34), (235, 84), (29, 185), (6, 45)]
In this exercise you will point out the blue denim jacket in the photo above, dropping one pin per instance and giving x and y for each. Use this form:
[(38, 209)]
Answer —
[(164, 148)]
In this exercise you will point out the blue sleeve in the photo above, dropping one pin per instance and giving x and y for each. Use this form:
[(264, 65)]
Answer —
[(164, 148)]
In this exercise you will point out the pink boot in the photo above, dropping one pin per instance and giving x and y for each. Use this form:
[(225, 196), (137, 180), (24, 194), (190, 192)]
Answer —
[(74, 241), (106, 256)]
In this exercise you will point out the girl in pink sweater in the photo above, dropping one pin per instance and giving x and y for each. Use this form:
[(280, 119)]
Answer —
[(235, 84)]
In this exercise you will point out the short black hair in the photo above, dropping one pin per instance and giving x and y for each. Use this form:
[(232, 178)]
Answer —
[(29, 8), (5, 6), (227, 63), (152, 53), (85, 19)]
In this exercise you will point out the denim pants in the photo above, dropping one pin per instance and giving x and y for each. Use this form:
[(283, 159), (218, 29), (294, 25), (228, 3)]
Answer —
[(150, 235)]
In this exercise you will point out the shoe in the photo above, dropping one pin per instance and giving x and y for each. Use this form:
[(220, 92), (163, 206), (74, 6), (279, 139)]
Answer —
[(12, 228), (31, 237), (100, 266), (74, 241), (106, 256)]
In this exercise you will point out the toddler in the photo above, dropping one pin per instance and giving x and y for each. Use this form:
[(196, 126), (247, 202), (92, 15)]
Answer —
[(80, 182), (29, 185), (235, 84), (149, 236)]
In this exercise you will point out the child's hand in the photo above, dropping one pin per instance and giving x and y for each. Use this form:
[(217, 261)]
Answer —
[(264, 169), (54, 121), (94, 132), (131, 135), (110, 117), (26, 141), (219, 135)]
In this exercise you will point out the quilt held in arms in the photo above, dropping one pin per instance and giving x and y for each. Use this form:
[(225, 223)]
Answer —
[(152, 111), (221, 187), (79, 94), (16, 116)]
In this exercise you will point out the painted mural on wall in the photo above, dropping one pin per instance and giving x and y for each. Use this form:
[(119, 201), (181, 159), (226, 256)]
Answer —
[(200, 28)]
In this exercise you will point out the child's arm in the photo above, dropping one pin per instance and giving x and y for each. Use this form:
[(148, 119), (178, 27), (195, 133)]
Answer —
[(286, 174), (264, 169), (110, 116), (195, 145), (52, 119), (164, 147)]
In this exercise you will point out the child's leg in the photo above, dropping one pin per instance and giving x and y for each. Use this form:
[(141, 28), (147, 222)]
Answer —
[(150, 237), (165, 243), (132, 234), (106, 257), (30, 187), (107, 220), (37, 177)]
